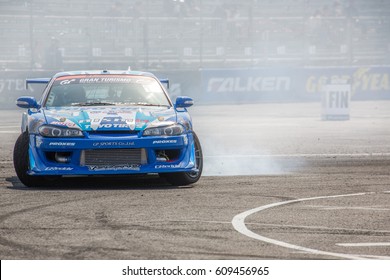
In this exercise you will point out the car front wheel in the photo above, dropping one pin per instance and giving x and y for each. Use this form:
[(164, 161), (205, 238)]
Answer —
[(191, 177), (22, 162)]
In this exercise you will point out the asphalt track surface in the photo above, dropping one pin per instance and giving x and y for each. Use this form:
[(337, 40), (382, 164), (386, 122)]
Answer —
[(278, 183)]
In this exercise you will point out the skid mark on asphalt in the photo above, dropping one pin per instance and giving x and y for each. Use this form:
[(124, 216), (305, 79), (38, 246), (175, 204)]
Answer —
[(31, 247), (238, 223)]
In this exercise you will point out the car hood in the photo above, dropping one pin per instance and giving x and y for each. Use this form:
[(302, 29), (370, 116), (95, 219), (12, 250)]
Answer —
[(110, 118)]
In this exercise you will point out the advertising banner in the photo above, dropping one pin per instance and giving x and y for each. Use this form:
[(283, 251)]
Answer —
[(292, 84), (367, 83), (246, 85)]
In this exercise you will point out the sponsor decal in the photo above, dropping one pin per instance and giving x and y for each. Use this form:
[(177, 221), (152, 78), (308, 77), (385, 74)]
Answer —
[(248, 84), (99, 79), (116, 120), (164, 142), (67, 123), (58, 168), (111, 144), (113, 120), (134, 167), (58, 123), (119, 119), (161, 166), (107, 80), (107, 125), (67, 82), (68, 144)]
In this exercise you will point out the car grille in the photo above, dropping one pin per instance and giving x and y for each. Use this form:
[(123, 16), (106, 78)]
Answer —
[(113, 157)]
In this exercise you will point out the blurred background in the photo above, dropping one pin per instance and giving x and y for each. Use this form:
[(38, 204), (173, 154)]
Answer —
[(288, 48)]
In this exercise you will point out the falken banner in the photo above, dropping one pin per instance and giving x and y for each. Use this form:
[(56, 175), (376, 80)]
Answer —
[(292, 84)]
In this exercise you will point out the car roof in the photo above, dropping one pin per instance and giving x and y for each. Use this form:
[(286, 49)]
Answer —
[(103, 72)]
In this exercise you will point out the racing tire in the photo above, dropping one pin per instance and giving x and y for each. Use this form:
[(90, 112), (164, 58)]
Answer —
[(22, 163), (187, 178)]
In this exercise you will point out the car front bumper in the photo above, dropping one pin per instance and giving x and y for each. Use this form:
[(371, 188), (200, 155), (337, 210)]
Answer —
[(111, 155)]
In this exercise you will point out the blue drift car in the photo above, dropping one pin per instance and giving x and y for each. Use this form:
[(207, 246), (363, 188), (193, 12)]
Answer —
[(106, 123)]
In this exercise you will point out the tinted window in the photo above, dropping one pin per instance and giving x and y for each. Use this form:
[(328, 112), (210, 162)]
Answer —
[(114, 89)]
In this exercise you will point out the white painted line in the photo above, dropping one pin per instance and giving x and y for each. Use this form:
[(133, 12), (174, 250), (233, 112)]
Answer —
[(238, 223), (9, 131), (322, 228), (375, 257), (368, 244), (365, 257), (319, 207), (376, 154), (9, 126)]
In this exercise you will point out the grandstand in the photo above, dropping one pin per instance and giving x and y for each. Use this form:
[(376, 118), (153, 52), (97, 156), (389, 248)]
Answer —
[(192, 34)]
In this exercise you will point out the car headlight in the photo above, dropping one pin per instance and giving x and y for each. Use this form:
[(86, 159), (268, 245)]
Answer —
[(170, 130), (55, 131)]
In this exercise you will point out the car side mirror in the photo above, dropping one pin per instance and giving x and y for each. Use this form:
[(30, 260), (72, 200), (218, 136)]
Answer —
[(184, 102), (27, 102)]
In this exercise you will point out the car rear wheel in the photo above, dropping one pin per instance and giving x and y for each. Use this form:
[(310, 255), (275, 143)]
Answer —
[(187, 178), (22, 163)]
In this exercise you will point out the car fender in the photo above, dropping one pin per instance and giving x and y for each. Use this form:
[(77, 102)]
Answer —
[(24, 122)]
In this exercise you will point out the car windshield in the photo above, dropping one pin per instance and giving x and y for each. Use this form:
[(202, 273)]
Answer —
[(103, 90)]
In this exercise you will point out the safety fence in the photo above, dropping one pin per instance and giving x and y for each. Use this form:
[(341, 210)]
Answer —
[(43, 42)]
